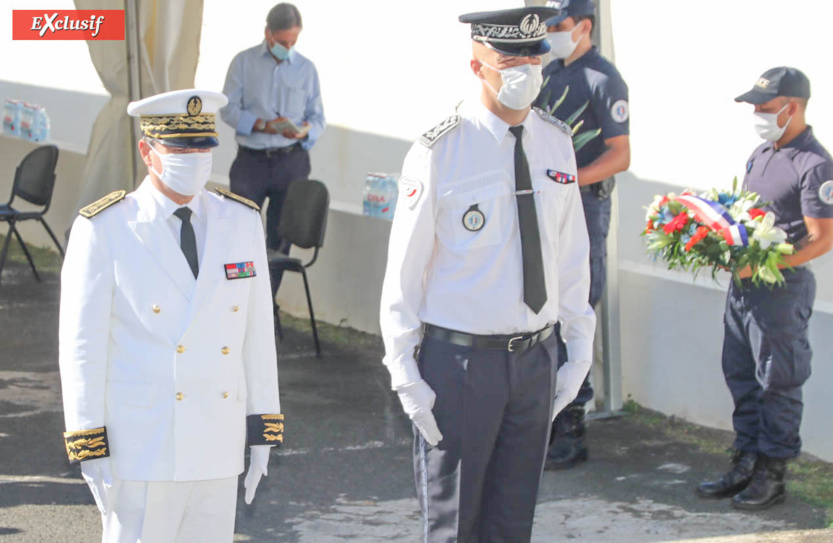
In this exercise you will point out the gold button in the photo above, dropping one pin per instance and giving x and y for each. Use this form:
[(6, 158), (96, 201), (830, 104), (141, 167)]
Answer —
[(179, 396), (236, 308), (180, 349), (156, 308), (225, 394), (225, 350)]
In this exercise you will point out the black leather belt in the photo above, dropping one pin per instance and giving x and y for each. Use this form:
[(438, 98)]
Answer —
[(511, 343), (271, 151)]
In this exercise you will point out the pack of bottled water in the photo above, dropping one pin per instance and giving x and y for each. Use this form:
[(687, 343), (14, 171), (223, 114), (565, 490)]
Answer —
[(25, 120), (34, 123), (11, 117), (381, 191)]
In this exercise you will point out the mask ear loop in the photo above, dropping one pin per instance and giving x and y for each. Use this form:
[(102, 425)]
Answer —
[(484, 79), (158, 174)]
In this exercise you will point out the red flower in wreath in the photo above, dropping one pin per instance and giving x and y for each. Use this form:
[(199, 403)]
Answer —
[(677, 224), (756, 212), (698, 236)]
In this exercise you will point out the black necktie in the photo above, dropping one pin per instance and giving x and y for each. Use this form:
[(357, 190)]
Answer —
[(187, 239), (535, 288)]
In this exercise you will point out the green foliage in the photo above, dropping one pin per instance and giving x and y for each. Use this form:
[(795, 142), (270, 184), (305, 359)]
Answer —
[(580, 139)]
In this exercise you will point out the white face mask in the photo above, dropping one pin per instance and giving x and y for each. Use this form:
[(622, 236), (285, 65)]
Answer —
[(561, 44), (520, 85), (184, 173), (766, 125)]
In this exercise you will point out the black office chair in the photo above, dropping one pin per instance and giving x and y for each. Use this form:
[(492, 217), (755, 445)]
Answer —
[(303, 223), (34, 181)]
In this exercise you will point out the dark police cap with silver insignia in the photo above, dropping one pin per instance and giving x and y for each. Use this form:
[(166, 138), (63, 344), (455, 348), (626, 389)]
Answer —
[(570, 8), (514, 32)]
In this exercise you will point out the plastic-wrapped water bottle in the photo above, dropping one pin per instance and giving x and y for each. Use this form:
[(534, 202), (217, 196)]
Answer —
[(27, 121), (34, 123), (40, 125), (390, 190), (11, 117), (374, 196)]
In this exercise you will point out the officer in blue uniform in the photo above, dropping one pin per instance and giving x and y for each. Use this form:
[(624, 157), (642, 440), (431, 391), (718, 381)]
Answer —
[(593, 87), (766, 352)]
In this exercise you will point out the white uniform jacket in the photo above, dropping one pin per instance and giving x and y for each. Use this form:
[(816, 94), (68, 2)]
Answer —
[(455, 247), (169, 364)]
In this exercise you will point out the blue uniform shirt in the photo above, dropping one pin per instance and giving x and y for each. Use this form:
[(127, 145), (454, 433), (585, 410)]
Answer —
[(259, 88), (796, 180), (590, 78)]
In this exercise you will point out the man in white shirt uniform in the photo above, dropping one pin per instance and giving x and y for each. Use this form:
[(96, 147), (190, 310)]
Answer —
[(167, 348), (488, 251)]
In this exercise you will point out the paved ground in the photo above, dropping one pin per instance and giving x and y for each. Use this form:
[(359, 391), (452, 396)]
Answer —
[(344, 474)]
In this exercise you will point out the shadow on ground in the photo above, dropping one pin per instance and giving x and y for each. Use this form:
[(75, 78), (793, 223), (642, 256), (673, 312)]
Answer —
[(344, 473)]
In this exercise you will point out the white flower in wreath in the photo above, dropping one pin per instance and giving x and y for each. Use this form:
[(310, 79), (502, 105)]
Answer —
[(653, 209), (740, 209), (767, 233)]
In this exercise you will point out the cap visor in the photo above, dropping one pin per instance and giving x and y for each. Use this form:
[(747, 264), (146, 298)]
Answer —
[(755, 97), (530, 50), (192, 143)]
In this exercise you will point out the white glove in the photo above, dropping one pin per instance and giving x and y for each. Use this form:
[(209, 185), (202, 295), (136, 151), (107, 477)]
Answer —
[(258, 465), (417, 400), (567, 384), (100, 480)]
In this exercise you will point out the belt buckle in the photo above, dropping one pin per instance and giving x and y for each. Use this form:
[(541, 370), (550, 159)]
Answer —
[(510, 347)]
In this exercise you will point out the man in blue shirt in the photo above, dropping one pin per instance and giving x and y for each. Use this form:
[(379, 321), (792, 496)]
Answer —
[(593, 87), (271, 87), (766, 351)]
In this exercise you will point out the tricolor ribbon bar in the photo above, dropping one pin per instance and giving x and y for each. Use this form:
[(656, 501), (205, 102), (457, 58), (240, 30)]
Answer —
[(715, 216)]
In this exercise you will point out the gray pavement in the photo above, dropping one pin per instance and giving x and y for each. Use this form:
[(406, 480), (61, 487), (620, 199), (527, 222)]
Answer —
[(344, 473)]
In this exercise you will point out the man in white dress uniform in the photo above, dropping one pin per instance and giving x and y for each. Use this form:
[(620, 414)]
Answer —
[(167, 349)]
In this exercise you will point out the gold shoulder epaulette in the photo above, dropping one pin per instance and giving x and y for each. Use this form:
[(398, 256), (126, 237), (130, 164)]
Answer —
[(97, 207), (236, 198)]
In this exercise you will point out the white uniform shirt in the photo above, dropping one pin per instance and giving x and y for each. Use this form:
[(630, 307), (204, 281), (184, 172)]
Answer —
[(441, 273), (166, 208)]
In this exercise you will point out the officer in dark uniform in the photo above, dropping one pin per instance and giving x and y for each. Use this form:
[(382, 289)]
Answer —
[(766, 353), (593, 87)]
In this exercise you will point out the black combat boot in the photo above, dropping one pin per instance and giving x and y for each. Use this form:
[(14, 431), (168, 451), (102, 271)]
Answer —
[(567, 447), (734, 481), (767, 487)]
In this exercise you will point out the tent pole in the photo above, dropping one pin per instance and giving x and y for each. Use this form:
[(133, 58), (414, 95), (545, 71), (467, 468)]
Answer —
[(131, 10)]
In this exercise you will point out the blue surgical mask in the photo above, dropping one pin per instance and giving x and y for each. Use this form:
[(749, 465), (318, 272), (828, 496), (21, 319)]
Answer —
[(280, 52)]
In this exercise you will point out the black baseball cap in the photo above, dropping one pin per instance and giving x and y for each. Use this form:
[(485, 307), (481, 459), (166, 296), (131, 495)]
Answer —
[(783, 81), (514, 32), (570, 8)]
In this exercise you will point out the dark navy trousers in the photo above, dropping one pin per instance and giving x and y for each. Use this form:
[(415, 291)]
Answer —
[(597, 215), (480, 483), (766, 360)]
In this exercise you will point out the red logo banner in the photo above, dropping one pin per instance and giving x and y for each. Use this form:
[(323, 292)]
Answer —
[(66, 24)]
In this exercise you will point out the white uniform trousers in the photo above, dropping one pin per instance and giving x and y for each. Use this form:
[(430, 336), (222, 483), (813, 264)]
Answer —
[(171, 512)]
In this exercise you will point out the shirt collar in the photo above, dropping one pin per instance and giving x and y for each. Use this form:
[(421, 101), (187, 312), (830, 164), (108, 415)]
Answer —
[(165, 207), (494, 124)]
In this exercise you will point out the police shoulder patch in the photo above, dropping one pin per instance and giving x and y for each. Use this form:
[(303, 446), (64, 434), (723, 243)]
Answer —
[(237, 198), (552, 120), (432, 136), (98, 206)]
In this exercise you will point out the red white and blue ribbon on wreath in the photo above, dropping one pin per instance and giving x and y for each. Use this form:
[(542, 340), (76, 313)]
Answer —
[(716, 217)]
